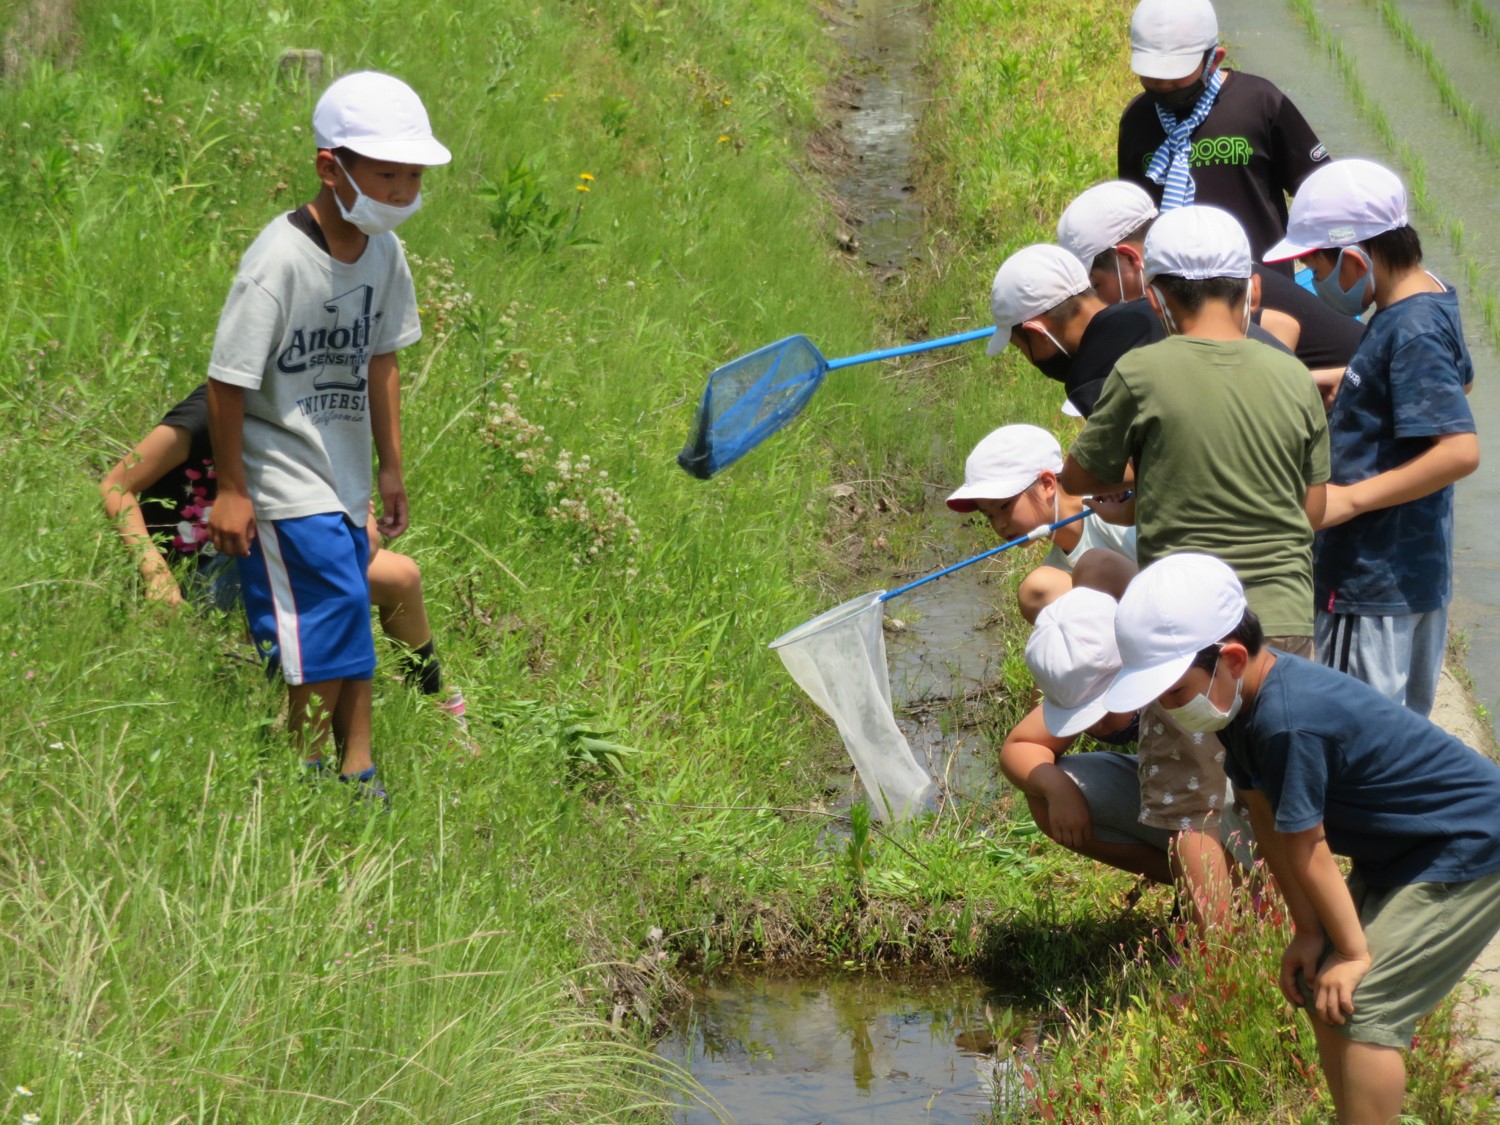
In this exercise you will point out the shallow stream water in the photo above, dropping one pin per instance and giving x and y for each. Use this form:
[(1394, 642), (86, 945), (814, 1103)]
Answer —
[(848, 1049)]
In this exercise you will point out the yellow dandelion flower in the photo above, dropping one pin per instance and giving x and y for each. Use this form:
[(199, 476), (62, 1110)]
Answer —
[(583, 187), (585, 176), (723, 138)]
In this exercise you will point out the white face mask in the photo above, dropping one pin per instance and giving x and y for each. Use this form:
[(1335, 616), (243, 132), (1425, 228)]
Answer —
[(1167, 320), (1120, 280), (1199, 715), (370, 217)]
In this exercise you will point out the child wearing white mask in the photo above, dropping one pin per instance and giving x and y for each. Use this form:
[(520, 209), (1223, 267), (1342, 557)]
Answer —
[(303, 381), (1401, 433), (1329, 766)]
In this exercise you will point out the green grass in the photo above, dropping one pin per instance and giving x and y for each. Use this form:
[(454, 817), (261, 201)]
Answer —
[(192, 932), (1411, 163)]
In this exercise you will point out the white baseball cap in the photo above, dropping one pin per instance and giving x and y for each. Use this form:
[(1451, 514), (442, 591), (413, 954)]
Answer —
[(1073, 657), (1344, 202), (1005, 464), (1168, 38), (1171, 611), (1197, 242), (1032, 281), (1101, 218), (378, 116)]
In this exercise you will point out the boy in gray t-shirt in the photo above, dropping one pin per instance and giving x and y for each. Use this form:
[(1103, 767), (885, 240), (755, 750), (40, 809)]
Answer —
[(302, 383)]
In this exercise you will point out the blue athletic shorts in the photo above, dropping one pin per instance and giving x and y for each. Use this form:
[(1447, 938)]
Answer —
[(307, 597)]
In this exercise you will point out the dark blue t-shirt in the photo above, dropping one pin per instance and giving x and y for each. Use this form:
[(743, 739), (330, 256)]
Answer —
[(1404, 387), (1402, 798)]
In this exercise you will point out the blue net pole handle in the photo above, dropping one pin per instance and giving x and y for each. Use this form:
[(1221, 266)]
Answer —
[(1031, 537), (910, 349)]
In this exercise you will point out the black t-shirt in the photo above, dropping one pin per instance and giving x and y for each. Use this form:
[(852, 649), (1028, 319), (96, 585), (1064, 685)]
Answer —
[(1253, 150), (1328, 339), (176, 506), (1114, 331)]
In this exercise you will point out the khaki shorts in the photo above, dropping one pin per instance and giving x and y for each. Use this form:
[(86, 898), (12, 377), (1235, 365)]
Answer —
[(1422, 937), (1297, 646), (1182, 775)]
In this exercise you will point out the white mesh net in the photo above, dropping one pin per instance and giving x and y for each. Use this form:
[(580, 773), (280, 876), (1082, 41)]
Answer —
[(838, 658)]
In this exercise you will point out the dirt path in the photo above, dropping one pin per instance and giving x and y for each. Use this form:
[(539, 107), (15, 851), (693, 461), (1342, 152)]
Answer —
[(1457, 714)]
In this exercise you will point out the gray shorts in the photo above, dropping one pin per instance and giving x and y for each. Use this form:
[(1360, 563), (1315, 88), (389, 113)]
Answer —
[(1401, 657), (1110, 783), (1422, 937)]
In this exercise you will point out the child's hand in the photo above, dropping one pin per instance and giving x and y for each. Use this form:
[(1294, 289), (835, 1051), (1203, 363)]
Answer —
[(1336, 984), (231, 524), (1302, 953), (395, 515), (1068, 820), (1338, 506), (1116, 508)]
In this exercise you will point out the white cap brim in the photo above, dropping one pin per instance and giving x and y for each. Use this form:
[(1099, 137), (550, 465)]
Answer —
[(1070, 410), (996, 488), (999, 341), (426, 151), (1065, 722), (1167, 68), (1286, 250), (1133, 688)]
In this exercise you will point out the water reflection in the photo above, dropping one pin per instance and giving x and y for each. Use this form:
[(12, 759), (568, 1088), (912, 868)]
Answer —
[(852, 1048)]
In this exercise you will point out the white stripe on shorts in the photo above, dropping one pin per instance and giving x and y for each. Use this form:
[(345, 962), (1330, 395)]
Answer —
[(283, 604)]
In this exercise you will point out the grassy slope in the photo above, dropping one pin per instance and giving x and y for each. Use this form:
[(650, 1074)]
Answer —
[(213, 937)]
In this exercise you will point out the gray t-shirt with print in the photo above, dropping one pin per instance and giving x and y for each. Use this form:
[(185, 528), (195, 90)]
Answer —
[(297, 333)]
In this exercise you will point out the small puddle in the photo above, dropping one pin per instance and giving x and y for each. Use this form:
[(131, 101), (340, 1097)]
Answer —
[(846, 1049)]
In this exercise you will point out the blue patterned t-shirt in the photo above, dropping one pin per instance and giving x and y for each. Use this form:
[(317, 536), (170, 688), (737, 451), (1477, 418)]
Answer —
[(1404, 387), (1402, 798)]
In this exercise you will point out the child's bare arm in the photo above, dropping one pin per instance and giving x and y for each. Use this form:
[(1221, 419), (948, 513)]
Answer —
[(1318, 875), (1451, 457), (1028, 759), (1307, 944), (1080, 482), (385, 427), (231, 524), (159, 452)]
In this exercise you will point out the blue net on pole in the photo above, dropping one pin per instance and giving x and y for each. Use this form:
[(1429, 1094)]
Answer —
[(748, 400)]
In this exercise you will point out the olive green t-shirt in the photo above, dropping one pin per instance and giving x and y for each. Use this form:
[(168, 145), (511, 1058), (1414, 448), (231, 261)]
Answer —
[(1226, 437)]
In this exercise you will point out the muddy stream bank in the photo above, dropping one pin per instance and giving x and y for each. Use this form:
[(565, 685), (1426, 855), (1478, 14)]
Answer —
[(850, 1047)]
